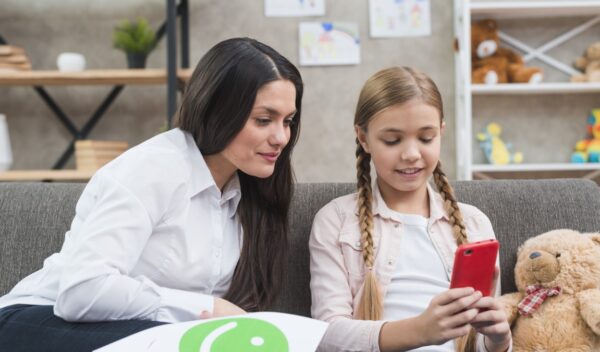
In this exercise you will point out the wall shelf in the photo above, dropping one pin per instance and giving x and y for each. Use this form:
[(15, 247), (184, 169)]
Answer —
[(88, 77), (535, 167), (46, 175), (541, 88), (532, 9)]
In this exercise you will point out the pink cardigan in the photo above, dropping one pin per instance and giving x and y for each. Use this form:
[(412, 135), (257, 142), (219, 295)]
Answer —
[(337, 268)]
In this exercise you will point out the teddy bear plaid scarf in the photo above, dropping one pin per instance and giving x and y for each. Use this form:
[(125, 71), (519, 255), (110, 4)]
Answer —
[(536, 295)]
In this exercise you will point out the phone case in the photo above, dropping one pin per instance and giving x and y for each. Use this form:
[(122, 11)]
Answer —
[(474, 266)]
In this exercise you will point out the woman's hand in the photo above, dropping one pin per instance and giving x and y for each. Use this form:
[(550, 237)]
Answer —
[(222, 308), (449, 315), (491, 321)]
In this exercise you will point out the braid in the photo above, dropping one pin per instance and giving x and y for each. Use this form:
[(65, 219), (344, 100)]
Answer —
[(370, 307), (450, 205)]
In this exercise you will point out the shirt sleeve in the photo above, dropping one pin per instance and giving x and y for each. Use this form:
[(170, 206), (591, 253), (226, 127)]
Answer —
[(331, 294), (110, 230)]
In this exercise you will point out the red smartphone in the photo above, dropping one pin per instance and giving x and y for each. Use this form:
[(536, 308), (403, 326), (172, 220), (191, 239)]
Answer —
[(475, 265)]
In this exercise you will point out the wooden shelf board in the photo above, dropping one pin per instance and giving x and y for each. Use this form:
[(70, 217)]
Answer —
[(541, 88), (88, 77), (46, 175), (488, 168), (528, 9)]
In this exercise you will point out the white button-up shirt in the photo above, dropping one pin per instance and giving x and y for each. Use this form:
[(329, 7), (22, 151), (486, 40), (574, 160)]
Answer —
[(153, 238)]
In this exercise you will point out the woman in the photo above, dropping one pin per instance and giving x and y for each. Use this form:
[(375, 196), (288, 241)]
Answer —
[(187, 225)]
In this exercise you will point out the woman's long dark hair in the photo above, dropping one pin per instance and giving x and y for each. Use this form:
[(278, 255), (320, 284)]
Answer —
[(214, 109)]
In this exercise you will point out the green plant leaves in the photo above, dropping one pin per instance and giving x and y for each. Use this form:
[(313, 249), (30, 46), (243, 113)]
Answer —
[(134, 36)]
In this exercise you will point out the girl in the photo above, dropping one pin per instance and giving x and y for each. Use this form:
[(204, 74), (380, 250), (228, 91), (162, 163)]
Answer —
[(191, 223), (381, 258)]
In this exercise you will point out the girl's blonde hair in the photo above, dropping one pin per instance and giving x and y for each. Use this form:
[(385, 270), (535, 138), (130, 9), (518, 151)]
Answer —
[(386, 88)]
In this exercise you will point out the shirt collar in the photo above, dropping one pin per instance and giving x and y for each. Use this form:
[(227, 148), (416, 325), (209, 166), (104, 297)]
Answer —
[(436, 205), (203, 180), (232, 193)]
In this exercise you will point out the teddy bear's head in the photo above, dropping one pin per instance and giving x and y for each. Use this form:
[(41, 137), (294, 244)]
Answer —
[(563, 258), (593, 51), (484, 38)]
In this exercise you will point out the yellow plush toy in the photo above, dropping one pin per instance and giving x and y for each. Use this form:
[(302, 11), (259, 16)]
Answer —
[(496, 151), (557, 307)]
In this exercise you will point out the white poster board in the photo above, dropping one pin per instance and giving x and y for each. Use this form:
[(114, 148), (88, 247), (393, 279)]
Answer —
[(294, 8), (329, 43), (254, 332), (399, 18)]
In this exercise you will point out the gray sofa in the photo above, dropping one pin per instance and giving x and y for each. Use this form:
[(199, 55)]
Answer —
[(35, 216)]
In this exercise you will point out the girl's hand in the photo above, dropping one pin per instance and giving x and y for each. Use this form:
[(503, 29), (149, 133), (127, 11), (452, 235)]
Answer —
[(222, 308), (448, 315), (491, 321)]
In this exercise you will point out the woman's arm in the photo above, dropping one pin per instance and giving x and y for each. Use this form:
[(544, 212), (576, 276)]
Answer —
[(111, 228)]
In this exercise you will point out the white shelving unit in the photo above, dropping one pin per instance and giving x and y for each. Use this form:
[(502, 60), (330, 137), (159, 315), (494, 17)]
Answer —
[(467, 11)]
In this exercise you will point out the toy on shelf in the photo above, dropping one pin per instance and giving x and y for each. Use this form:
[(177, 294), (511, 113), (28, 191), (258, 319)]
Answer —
[(589, 64), (496, 151), (588, 150), (492, 64)]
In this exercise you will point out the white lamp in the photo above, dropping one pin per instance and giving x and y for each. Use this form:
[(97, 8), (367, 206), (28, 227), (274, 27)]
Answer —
[(5, 150)]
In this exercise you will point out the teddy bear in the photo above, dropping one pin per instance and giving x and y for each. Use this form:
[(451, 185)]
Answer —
[(557, 306), (588, 150), (492, 64), (589, 64)]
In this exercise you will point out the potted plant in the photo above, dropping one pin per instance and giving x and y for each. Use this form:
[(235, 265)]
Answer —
[(137, 39)]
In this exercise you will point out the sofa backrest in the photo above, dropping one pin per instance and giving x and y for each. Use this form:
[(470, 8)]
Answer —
[(518, 209), (35, 216)]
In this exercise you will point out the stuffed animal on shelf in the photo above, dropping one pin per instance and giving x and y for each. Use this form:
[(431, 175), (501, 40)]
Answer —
[(557, 306), (496, 151), (588, 150), (589, 64), (492, 64)]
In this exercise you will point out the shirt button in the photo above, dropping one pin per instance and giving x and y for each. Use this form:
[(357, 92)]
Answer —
[(396, 225), (357, 243)]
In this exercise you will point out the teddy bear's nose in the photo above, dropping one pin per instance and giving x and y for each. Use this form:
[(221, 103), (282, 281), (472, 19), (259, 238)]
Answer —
[(534, 255)]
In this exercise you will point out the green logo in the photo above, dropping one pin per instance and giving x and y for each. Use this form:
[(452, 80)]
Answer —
[(234, 335)]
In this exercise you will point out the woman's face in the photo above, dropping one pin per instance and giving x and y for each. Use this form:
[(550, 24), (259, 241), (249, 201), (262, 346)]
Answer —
[(404, 143), (267, 131)]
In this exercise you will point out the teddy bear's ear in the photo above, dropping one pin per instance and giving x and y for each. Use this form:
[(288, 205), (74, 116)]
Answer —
[(595, 237), (490, 24)]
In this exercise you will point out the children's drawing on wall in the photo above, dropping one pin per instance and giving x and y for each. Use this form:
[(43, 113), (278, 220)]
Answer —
[(399, 18), (294, 8), (329, 43)]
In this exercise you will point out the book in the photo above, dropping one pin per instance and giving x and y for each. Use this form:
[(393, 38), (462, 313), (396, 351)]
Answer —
[(14, 59), (15, 66), (11, 50)]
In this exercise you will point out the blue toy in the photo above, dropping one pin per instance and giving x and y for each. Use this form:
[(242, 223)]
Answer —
[(588, 150)]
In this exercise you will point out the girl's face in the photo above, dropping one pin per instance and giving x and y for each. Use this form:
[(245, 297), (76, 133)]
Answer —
[(404, 143), (267, 131)]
